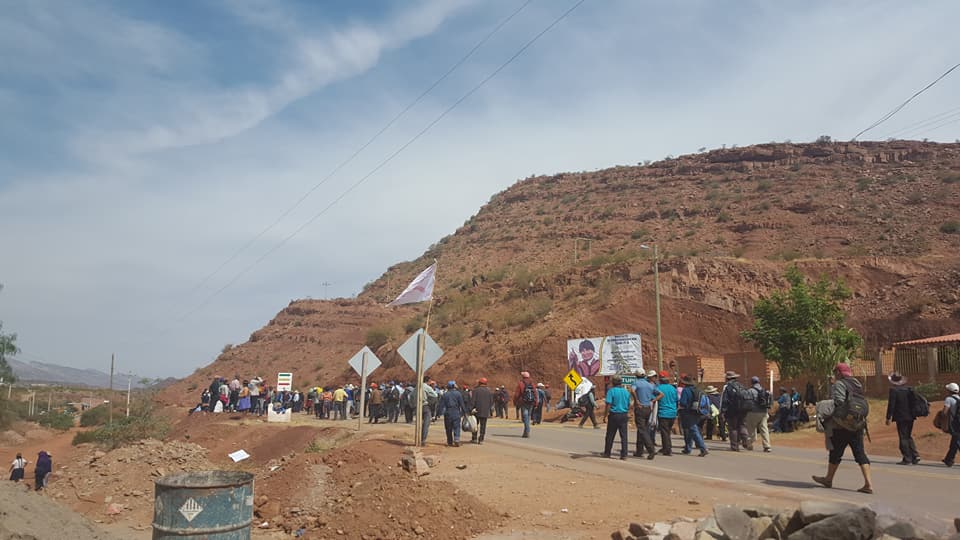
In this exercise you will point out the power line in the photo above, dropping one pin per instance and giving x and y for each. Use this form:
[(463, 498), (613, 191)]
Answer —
[(921, 123), (379, 166), (897, 109), (940, 125), (363, 147)]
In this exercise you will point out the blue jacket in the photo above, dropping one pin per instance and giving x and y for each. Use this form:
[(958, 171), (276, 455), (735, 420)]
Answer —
[(452, 405)]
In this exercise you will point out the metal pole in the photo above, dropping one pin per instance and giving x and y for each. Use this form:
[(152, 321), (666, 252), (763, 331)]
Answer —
[(418, 423), (656, 279), (363, 387), (129, 379), (49, 400), (110, 394)]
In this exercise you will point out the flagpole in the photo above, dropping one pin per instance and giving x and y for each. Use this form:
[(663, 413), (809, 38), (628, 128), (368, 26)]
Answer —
[(421, 343)]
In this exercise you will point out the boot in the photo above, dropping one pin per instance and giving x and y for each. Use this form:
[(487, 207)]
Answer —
[(827, 481), (867, 481)]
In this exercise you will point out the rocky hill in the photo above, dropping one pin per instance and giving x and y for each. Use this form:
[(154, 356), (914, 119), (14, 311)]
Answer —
[(558, 257)]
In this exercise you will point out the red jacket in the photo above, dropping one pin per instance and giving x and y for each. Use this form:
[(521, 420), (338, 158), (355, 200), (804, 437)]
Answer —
[(518, 395)]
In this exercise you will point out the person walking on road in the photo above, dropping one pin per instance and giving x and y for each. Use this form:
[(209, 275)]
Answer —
[(430, 401), (900, 410), (734, 409), (616, 417), (42, 470), (951, 408), (589, 403), (453, 409), (757, 417), (482, 405), (715, 423), (847, 426), (525, 399), (666, 412), (690, 414), (645, 394)]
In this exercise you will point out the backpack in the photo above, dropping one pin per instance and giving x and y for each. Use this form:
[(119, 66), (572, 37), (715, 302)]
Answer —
[(764, 399), (736, 398), (853, 414), (529, 396), (584, 400), (919, 406), (703, 405), (954, 415)]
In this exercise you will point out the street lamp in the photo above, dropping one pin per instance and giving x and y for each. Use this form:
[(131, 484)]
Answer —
[(656, 281)]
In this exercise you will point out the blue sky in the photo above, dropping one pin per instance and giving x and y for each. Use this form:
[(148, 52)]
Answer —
[(143, 143)]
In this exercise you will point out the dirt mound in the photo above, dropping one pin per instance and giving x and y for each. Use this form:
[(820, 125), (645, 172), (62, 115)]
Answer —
[(359, 492), (121, 481), (25, 515)]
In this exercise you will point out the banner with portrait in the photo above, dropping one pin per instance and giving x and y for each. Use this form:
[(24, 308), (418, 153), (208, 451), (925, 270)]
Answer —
[(607, 355)]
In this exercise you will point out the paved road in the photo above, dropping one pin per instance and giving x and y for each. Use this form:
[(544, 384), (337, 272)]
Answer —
[(926, 492)]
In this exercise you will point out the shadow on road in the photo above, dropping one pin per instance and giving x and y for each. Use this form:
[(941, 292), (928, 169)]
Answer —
[(788, 483)]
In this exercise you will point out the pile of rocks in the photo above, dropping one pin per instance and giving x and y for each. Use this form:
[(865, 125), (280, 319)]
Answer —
[(413, 461), (814, 520)]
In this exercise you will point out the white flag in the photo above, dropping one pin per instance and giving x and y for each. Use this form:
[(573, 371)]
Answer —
[(420, 289)]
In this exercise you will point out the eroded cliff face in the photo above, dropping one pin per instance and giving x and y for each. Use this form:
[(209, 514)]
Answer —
[(558, 257)]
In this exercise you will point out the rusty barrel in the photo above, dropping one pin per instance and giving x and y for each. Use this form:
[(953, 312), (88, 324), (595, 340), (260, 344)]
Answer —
[(214, 505)]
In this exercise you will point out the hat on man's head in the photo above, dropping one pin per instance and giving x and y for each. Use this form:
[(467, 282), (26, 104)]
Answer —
[(539, 385), (617, 380), (664, 374), (652, 374), (732, 375), (525, 374), (710, 389), (687, 379), (953, 388), (451, 384), (897, 379), (843, 369), (755, 379), (483, 380)]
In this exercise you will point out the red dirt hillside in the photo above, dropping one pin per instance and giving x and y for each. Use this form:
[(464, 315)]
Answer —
[(558, 257)]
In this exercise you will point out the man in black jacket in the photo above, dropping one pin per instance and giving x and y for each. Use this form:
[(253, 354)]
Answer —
[(900, 410), (482, 405)]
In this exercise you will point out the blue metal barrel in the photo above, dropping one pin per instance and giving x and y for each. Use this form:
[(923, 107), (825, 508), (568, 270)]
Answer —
[(212, 505)]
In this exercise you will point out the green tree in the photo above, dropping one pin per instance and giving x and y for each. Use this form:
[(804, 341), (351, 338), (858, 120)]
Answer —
[(8, 347), (802, 328)]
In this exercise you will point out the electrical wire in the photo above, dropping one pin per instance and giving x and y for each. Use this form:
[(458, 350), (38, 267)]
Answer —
[(362, 147), (897, 109), (922, 123), (379, 166)]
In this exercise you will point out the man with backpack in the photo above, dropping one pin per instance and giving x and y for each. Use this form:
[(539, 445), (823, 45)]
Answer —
[(391, 400), (588, 403), (645, 395), (848, 424), (525, 399), (756, 420), (951, 409), (734, 408), (900, 408), (693, 405)]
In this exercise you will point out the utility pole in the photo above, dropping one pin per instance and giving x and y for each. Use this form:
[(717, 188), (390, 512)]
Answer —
[(656, 286), (110, 395), (325, 284), (129, 384)]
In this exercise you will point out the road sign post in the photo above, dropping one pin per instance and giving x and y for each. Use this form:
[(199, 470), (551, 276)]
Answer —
[(572, 379), (420, 352), (363, 363)]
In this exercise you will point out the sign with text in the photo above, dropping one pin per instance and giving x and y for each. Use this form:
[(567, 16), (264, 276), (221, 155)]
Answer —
[(607, 355), (284, 382)]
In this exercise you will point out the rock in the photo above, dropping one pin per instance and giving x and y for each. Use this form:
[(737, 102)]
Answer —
[(759, 511), (546, 513), (788, 522), (114, 509), (761, 528), (638, 529), (262, 500), (408, 463), (622, 534), (732, 521), (813, 511), (683, 530), (421, 467), (432, 461), (857, 524), (419, 531), (709, 530), (269, 510), (660, 529), (461, 467), (902, 529)]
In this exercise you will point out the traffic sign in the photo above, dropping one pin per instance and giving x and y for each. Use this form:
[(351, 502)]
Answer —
[(628, 379), (357, 361), (573, 379), (431, 351), (284, 382)]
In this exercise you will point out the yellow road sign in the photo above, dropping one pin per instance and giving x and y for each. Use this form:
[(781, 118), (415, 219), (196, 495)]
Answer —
[(573, 379)]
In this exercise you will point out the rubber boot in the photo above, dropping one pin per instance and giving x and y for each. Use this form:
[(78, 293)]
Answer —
[(827, 481), (867, 481)]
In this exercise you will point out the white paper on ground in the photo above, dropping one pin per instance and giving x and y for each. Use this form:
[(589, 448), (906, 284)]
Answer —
[(239, 455)]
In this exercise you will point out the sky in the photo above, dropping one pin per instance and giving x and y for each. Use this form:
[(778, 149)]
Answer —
[(146, 147)]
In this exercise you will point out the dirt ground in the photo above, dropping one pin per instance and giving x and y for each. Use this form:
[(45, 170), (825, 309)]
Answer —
[(324, 479)]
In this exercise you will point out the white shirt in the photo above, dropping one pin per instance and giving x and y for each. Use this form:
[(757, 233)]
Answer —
[(19, 463)]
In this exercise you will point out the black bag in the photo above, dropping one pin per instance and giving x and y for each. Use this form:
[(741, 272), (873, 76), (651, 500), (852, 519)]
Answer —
[(584, 400), (764, 399), (529, 396), (852, 416), (919, 406), (736, 398), (954, 416)]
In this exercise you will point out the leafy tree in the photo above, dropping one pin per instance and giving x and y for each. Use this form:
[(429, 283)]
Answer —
[(802, 328), (8, 346)]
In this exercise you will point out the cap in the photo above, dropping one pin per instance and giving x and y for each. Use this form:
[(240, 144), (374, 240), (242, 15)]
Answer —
[(525, 374), (844, 369), (665, 374), (953, 387), (755, 379), (451, 384), (539, 385), (652, 373), (483, 380)]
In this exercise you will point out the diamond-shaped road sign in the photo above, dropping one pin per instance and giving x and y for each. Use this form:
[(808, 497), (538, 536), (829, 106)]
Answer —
[(431, 351), (357, 361)]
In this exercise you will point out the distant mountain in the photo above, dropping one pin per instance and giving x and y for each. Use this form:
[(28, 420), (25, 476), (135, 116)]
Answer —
[(40, 372)]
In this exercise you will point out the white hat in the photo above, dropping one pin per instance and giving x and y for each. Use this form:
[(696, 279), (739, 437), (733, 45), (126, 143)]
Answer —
[(652, 373), (953, 388), (539, 385)]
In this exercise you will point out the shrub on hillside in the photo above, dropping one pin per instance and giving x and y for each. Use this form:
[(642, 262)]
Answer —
[(143, 423), (11, 411), (377, 337), (950, 227), (95, 416), (56, 420)]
